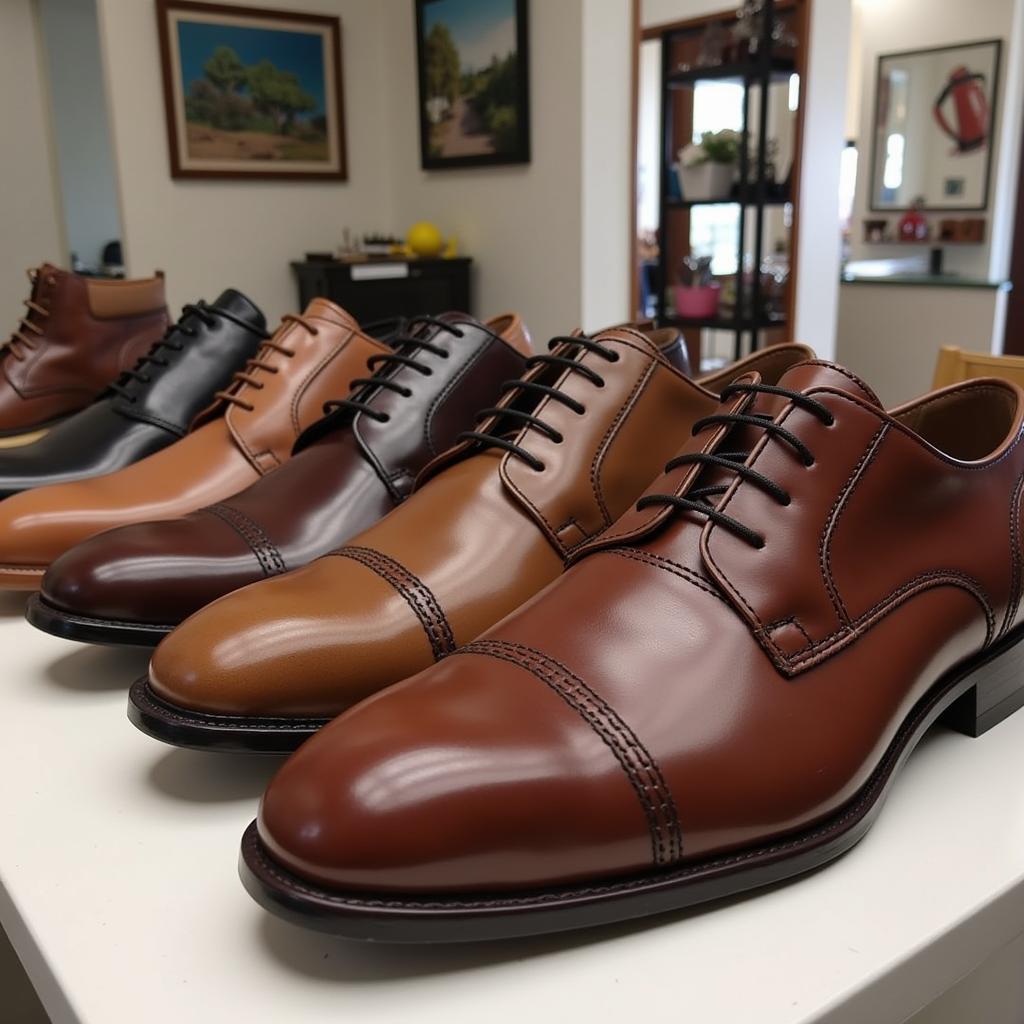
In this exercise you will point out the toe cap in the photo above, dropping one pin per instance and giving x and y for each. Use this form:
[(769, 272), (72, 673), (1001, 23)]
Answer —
[(470, 776), (309, 643), (156, 573)]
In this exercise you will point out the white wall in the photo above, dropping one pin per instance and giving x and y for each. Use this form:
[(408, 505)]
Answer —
[(29, 206), (520, 223), (606, 161), (819, 245), (208, 235), (886, 27), (85, 157)]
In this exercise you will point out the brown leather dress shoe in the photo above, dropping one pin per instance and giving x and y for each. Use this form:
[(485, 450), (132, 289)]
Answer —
[(249, 430), (134, 584), (715, 697), (568, 449), (78, 335)]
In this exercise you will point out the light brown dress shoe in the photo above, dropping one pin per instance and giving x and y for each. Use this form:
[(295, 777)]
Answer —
[(77, 336), (718, 694), (248, 431), (569, 448)]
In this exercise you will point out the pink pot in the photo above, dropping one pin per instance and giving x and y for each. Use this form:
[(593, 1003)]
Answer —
[(697, 303)]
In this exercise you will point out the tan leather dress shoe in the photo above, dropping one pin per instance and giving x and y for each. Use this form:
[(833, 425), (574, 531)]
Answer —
[(492, 522), (248, 431), (718, 695)]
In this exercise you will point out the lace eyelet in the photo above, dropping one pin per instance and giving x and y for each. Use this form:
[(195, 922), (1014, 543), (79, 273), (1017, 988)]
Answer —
[(446, 354), (614, 357), (787, 502), (830, 422), (599, 382), (407, 393), (558, 440), (809, 462), (759, 546), (539, 467), (384, 417)]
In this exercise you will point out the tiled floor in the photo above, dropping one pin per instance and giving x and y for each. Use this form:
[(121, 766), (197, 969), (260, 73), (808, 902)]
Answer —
[(18, 1002)]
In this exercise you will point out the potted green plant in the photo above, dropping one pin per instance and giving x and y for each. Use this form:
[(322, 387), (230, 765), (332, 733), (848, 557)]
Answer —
[(706, 169)]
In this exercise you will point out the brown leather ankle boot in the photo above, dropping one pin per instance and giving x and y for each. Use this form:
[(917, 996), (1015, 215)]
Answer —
[(77, 336)]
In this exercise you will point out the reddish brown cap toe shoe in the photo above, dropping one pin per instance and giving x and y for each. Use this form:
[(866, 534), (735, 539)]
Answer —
[(717, 694)]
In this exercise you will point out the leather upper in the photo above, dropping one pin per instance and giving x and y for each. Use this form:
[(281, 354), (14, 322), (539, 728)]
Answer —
[(484, 530), (349, 469), (78, 335), (683, 691), (247, 431), (148, 410)]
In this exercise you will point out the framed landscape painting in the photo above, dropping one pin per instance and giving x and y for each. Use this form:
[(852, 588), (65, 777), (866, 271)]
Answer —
[(250, 92), (473, 82)]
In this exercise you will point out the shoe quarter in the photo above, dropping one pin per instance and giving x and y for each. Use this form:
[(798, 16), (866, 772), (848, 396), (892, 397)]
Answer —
[(632, 426), (879, 518), (322, 367)]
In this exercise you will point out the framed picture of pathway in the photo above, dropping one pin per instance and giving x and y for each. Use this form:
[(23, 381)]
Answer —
[(473, 82), (251, 92)]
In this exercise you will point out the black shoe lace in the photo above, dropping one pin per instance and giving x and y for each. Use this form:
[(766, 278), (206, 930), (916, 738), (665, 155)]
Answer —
[(172, 341), (405, 345), (697, 499), (537, 391)]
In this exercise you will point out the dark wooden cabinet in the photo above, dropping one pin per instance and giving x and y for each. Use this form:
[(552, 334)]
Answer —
[(375, 289)]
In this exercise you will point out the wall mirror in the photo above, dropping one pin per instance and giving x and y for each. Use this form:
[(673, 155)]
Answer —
[(933, 128)]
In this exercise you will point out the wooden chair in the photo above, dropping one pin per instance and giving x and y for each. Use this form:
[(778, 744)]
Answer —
[(955, 365)]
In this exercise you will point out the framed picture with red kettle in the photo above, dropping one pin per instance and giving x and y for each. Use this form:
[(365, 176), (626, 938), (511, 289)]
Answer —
[(934, 127)]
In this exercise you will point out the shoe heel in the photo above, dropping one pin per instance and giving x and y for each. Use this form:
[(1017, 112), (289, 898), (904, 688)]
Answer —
[(997, 692)]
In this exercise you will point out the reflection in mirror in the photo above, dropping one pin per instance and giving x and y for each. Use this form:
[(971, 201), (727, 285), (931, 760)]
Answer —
[(933, 134), (81, 131)]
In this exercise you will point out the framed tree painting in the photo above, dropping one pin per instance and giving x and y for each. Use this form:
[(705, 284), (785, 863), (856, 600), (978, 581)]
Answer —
[(251, 92), (473, 82)]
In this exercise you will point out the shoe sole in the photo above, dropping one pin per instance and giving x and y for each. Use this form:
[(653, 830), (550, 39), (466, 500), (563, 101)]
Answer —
[(21, 577), (26, 435), (971, 698), (88, 630), (197, 730)]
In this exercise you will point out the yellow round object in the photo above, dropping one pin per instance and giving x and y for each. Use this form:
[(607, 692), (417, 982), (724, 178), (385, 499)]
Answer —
[(424, 239)]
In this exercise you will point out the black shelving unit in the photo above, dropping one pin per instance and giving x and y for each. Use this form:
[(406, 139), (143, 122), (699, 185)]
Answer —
[(751, 195)]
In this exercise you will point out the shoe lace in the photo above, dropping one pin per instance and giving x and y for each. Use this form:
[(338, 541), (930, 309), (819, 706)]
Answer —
[(20, 342), (259, 362), (172, 341), (697, 500), (578, 346), (406, 345)]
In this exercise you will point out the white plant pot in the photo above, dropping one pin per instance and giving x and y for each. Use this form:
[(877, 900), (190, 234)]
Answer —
[(706, 181)]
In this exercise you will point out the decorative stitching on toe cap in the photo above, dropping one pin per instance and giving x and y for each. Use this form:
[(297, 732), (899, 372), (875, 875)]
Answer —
[(636, 761), (417, 594), (270, 558)]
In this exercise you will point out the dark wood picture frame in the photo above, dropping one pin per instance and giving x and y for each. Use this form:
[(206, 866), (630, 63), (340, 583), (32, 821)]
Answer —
[(338, 169), (997, 45), (520, 154)]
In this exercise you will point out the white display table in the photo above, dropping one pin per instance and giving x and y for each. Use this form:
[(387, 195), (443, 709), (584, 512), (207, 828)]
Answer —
[(118, 889)]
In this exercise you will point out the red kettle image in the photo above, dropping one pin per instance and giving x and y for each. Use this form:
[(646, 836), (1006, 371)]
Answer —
[(967, 123)]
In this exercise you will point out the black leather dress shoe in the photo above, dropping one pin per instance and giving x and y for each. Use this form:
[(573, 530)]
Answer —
[(150, 406)]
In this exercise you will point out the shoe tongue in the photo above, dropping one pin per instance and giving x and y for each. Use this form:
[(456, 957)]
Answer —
[(324, 309), (633, 337), (235, 303), (817, 373)]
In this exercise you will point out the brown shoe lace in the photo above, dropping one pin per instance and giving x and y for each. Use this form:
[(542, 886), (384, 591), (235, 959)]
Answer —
[(20, 344), (258, 362)]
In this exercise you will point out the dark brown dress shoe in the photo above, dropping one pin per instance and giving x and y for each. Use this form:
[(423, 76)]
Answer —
[(568, 449), (132, 585), (78, 335), (716, 696)]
